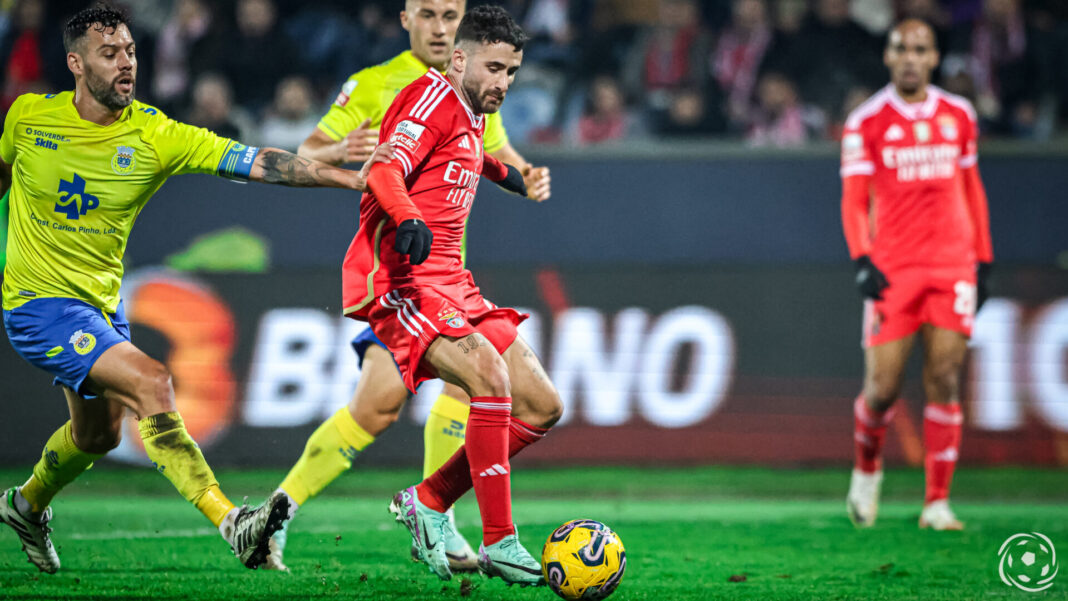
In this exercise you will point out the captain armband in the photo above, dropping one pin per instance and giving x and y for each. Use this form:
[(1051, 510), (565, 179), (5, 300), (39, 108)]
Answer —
[(237, 163)]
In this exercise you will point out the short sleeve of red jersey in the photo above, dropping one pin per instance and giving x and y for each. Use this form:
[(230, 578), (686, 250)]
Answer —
[(856, 158), (410, 124)]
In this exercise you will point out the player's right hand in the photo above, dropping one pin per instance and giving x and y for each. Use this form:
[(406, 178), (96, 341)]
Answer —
[(413, 239), (360, 143), (870, 281)]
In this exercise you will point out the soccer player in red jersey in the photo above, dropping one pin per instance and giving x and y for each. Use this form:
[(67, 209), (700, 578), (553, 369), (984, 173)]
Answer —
[(915, 217), (404, 274)]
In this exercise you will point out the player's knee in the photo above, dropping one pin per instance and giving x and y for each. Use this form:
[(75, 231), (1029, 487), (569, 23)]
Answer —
[(881, 391), (554, 410), (942, 381), (490, 377), (387, 416), (98, 441), (549, 406), (153, 390)]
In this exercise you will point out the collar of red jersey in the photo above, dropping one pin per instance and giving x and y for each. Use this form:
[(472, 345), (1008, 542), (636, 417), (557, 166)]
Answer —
[(916, 110), (476, 120)]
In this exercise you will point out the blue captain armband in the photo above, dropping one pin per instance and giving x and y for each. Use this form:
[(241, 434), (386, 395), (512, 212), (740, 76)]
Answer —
[(237, 162)]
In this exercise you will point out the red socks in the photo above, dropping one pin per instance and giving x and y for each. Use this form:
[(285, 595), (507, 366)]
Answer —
[(941, 440), (483, 463), (869, 433)]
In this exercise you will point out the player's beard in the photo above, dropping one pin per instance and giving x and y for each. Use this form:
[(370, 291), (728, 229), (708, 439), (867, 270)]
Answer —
[(910, 82), (105, 93), (475, 95)]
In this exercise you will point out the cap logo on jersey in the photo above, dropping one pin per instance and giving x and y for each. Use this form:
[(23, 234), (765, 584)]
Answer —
[(123, 162), (947, 125), (74, 201), (346, 92), (922, 131), (894, 133), (407, 135)]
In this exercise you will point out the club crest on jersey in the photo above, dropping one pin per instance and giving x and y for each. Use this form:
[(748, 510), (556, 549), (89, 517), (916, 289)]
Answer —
[(894, 133), (83, 342), (123, 162), (451, 318), (922, 131), (346, 92), (947, 125)]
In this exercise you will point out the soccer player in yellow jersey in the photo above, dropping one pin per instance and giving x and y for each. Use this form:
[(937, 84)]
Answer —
[(348, 133), (81, 166)]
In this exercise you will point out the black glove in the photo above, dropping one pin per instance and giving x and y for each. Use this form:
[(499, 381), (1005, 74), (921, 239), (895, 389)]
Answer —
[(870, 281), (513, 182), (982, 284), (413, 239)]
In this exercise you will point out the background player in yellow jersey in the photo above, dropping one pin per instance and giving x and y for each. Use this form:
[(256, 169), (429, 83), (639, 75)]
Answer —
[(348, 133), (81, 166)]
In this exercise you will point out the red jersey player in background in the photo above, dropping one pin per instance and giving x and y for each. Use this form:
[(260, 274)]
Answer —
[(404, 274), (915, 218)]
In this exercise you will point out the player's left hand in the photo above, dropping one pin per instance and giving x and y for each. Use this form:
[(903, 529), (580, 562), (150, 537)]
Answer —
[(982, 284), (870, 280), (383, 153), (538, 183), (413, 238), (513, 181)]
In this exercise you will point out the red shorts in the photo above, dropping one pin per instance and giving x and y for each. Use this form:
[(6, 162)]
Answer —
[(408, 319), (942, 297)]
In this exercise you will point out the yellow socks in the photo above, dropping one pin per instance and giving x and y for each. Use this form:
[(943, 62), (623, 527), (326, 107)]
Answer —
[(444, 432), (61, 462), (328, 454), (177, 456)]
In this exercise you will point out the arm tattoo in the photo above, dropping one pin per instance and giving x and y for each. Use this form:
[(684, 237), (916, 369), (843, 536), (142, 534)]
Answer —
[(288, 169)]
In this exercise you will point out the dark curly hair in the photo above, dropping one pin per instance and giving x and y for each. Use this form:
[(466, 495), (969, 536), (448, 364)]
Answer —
[(101, 17), (489, 25)]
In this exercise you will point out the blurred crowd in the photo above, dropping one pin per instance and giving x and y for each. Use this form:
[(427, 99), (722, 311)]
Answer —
[(769, 72)]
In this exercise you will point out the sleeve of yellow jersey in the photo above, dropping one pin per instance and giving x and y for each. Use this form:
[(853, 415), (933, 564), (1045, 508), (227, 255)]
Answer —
[(7, 141), (495, 137), (183, 148), (360, 97)]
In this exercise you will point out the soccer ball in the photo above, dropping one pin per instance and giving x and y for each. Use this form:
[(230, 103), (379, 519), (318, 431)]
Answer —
[(583, 559)]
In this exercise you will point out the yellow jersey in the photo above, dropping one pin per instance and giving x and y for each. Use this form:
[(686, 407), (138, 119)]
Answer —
[(77, 188), (368, 93)]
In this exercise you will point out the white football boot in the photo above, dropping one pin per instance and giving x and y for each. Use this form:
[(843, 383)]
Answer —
[(32, 534), (249, 530), (937, 515), (862, 502)]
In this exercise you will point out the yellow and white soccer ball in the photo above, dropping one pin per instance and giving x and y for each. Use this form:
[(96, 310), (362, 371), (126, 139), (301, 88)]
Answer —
[(583, 559)]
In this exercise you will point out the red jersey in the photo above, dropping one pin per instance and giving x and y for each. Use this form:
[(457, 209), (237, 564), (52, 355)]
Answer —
[(437, 142), (914, 155)]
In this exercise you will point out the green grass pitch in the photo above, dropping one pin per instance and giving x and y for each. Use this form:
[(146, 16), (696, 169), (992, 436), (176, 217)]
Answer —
[(705, 533)]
